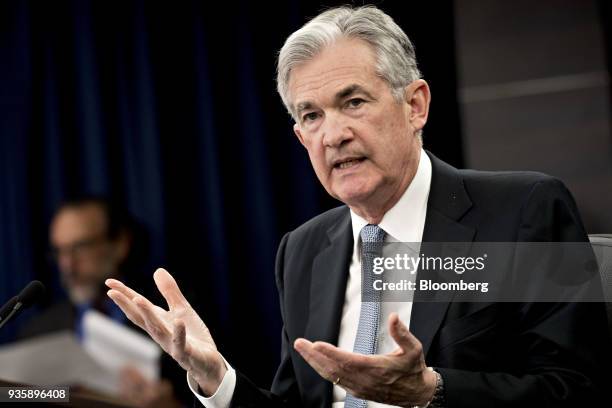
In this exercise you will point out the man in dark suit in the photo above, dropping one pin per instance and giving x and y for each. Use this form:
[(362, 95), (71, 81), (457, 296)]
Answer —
[(91, 240), (349, 80)]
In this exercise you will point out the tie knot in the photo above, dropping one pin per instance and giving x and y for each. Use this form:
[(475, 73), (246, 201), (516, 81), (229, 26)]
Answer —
[(372, 234)]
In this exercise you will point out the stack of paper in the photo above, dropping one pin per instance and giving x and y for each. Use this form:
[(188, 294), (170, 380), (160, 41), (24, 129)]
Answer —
[(59, 359), (114, 346)]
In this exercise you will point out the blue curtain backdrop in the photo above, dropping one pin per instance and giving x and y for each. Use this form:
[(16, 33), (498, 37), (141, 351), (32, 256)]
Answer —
[(170, 108)]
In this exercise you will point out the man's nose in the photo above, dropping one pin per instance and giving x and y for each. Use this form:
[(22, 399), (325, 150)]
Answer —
[(66, 261), (336, 131)]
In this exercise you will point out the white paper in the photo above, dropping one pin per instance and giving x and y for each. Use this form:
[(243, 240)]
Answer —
[(55, 359), (114, 346)]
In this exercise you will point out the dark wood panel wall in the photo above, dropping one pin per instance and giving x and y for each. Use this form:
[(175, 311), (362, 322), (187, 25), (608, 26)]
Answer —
[(535, 94)]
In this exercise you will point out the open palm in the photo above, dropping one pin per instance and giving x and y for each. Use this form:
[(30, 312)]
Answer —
[(179, 331)]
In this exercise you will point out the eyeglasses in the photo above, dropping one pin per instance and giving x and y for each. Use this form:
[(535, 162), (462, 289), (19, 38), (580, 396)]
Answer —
[(77, 249)]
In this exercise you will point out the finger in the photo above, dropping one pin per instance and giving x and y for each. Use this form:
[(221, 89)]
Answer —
[(121, 287), (132, 375), (402, 336), (169, 289), (346, 361), (355, 370), (154, 325), (132, 384), (128, 307), (322, 365)]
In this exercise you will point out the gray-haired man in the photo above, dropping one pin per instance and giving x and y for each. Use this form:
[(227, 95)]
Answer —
[(350, 81)]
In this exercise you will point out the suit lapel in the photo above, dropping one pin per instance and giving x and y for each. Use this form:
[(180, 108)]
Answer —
[(330, 270), (448, 202)]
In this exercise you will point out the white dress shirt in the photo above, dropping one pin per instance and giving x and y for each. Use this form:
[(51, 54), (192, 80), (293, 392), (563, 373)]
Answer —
[(404, 222)]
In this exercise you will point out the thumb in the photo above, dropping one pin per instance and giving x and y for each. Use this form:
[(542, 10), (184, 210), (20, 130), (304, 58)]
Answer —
[(400, 333)]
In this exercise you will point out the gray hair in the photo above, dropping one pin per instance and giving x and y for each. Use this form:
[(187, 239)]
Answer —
[(396, 61)]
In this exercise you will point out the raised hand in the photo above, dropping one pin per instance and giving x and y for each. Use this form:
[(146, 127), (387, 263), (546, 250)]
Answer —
[(398, 378), (179, 331)]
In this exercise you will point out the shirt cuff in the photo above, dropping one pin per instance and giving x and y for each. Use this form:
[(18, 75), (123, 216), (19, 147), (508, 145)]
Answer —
[(223, 396)]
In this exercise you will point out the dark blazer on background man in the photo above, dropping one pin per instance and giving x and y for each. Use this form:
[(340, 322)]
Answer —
[(489, 354)]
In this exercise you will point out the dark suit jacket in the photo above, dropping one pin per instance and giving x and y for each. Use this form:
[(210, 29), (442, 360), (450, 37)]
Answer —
[(489, 354)]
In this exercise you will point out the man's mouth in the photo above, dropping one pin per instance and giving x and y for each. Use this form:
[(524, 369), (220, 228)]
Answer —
[(348, 162)]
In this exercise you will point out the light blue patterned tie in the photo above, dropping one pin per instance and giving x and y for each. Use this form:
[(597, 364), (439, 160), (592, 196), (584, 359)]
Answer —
[(366, 341)]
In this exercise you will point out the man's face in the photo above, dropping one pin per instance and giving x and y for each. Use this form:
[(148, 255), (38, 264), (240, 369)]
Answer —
[(85, 256), (360, 140)]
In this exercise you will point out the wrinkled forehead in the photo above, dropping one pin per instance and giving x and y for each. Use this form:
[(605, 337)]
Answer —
[(341, 64), (329, 85)]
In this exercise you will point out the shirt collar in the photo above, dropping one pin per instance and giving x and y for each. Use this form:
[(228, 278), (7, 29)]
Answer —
[(400, 221)]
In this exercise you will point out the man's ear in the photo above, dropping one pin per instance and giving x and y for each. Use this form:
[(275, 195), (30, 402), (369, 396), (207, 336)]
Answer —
[(298, 133), (418, 96), (122, 246)]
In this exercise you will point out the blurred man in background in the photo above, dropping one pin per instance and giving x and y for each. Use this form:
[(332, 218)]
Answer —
[(91, 240)]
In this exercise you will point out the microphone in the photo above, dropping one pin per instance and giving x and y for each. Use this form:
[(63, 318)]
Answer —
[(26, 298), (7, 308)]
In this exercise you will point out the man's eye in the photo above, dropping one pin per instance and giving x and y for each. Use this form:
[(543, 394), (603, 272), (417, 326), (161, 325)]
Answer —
[(309, 117), (355, 102)]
